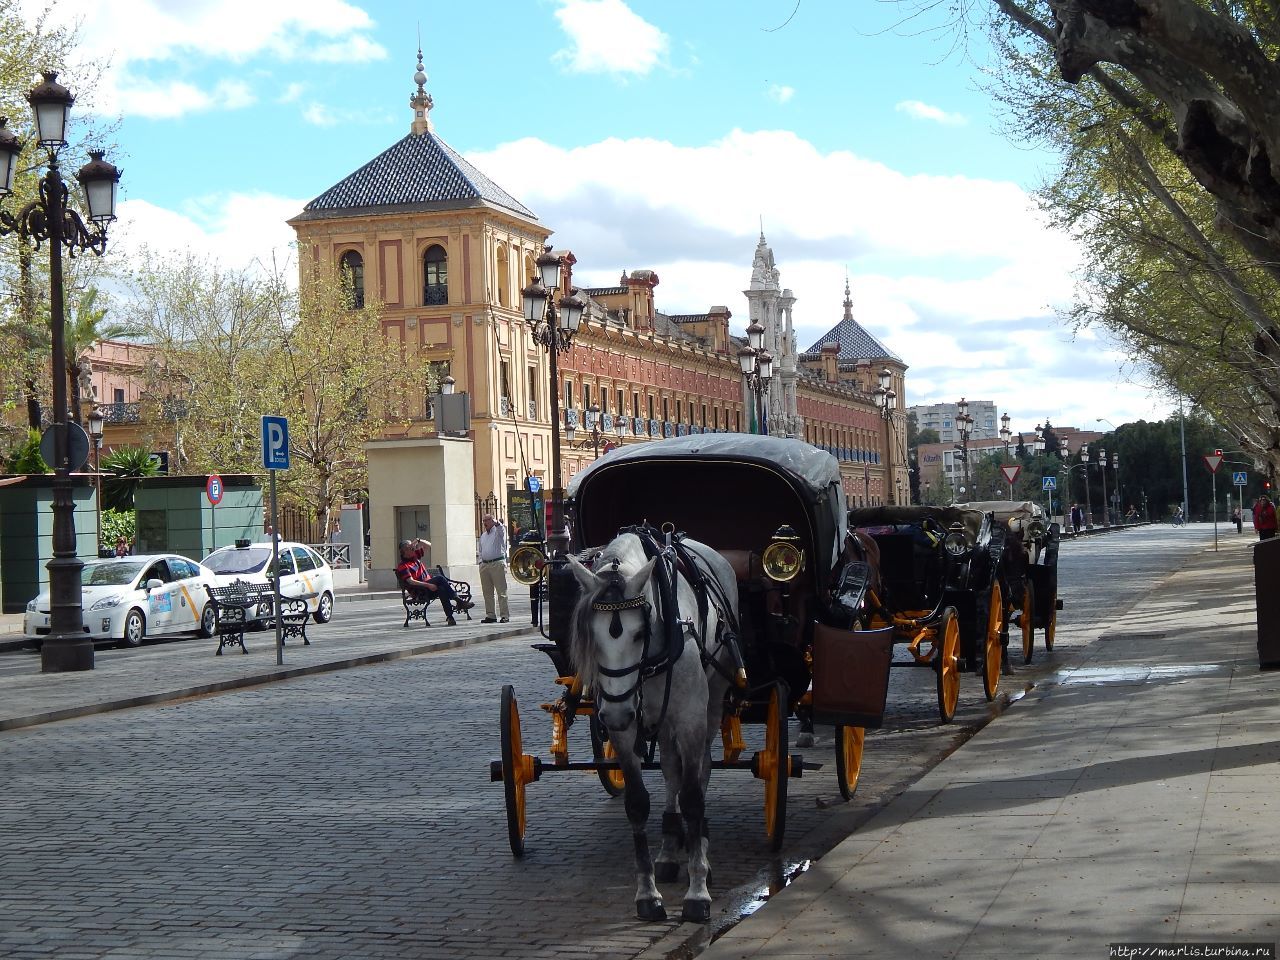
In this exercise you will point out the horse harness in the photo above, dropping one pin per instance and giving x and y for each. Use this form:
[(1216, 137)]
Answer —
[(673, 559)]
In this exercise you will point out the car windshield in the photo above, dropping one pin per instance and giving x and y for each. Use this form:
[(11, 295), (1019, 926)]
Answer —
[(116, 573), (238, 560)]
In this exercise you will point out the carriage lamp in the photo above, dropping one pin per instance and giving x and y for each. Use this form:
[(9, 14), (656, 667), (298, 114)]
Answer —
[(527, 561), (784, 558), (956, 543)]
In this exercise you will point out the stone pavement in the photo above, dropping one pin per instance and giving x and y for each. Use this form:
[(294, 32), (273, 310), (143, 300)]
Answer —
[(1132, 797), (163, 672)]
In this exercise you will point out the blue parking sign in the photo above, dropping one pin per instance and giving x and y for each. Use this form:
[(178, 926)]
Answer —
[(275, 443), (1048, 483)]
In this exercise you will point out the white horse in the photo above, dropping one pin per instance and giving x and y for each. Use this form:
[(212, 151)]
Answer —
[(664, 672)]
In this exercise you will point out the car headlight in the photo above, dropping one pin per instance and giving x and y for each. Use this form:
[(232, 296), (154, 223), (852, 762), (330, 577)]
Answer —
[(956, 544), (107, 603)]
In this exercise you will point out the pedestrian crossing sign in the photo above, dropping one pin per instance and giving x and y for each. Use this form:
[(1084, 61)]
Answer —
[(1048, 483), (1240, 478)]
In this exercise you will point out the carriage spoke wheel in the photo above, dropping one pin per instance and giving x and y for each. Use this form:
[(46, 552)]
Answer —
[(515, 770), (1051, 624), (774, 765), (991, 654), (849, 741), (602, 749), (947, 664), (1028, 618)]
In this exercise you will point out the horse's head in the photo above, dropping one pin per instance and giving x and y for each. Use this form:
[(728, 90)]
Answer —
[(612, 625)]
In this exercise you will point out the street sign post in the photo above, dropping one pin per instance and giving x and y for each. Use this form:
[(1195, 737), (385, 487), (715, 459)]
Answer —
[(1213, 461), (213, 490), (1011, 472), (275, 456), (1049, 485)]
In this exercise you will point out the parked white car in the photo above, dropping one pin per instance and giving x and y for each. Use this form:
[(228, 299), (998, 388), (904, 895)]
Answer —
[(128, 598), (303, 572)]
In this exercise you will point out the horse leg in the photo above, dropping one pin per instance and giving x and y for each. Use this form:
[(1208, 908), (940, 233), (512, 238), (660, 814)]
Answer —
[(805, 715), (697, 899), (667, 867), (636, 799)]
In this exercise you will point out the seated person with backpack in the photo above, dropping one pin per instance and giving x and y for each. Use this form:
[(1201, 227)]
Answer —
[(414, 577)]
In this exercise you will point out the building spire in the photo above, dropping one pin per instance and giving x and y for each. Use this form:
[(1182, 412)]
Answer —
[(421, 101), (848, 300)]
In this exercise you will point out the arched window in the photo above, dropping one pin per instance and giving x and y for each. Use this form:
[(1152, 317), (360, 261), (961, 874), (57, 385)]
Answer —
[(435, 276), (352, 267)]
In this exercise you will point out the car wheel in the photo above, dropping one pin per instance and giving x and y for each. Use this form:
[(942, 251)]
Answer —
[(208, 621), (135, 628), (324, 609)]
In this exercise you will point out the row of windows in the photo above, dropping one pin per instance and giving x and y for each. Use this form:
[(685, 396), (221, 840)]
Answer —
[(646, 405), (435, 276)]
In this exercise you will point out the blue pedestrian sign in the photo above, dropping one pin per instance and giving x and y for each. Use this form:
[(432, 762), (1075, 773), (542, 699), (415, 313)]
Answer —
[(533, 483), (1240, 478), (1048, 483), (275, 443)]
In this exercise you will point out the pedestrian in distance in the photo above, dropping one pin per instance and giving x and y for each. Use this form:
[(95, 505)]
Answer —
[(1177, 519), (1131, 515), (1264, 517), (413, 576), (122, 546), (1077, 518), (491, 554), (1237, 520)]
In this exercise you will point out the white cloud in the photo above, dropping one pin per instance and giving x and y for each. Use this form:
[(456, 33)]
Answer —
[(153, 45), (781, 94), (292, 92), (924, 111), (607, 36)]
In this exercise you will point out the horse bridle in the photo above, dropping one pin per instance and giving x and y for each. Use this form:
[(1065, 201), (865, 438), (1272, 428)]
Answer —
[(642, 668)]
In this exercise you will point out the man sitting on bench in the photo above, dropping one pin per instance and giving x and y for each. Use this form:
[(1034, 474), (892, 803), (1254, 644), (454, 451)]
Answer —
[(413, 576)]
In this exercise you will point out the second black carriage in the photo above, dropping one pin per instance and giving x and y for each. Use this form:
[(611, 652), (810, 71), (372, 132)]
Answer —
[(775, 509)]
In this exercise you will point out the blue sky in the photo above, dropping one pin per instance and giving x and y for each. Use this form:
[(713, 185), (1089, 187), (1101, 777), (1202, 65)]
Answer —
[(646, 134)]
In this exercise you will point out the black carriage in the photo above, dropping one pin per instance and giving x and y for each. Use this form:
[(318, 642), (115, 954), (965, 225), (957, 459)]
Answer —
[(1029, 570), (773, 508), (939, 589)]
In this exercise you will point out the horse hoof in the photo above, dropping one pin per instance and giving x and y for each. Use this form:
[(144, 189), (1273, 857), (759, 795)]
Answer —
[(650, 910), (696, 911), (804, 740), (666, 872)]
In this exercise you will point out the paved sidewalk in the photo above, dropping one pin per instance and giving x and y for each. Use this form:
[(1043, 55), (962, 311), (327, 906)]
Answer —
[(170, 671), (1132, 797)]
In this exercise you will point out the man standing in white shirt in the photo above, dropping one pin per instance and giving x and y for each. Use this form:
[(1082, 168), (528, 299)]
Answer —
[(492, 549)]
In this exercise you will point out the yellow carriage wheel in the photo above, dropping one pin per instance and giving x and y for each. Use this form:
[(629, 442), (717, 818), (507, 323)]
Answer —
[(946, 663), (849, 742), (774, 765), (514, 769), (991, 653), (1028, 621), (1051, 624)]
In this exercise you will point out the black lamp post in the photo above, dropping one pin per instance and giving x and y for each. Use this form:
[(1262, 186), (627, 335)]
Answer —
[(1106, 502), (593, 415), (49, 218), (756, 364), (885, 395), (553, 331), (95, 434), (1006, 435), (1088, 507), (964, 423)]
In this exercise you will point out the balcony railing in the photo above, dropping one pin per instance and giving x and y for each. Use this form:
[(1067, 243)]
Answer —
[(119, 412)]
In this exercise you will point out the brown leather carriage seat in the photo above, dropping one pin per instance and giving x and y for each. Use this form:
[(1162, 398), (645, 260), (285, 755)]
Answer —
[(746, 564)]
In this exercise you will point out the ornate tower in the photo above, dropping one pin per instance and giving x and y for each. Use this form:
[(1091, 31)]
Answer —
[(770, 306)]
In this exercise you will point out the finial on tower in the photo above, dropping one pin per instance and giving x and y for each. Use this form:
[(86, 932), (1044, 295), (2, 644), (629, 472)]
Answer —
[(421, 101), (848, 299)]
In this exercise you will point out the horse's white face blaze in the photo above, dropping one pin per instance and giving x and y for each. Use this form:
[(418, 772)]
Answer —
[(618, 636)]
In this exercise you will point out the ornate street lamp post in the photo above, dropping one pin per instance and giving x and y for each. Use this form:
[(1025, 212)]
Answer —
[(593, 415), (553, 331), (1088, 507), (49, 218), (1106, 503), (1006, 435), (885, 396), (95, 434), (757, 370), (964, 423)]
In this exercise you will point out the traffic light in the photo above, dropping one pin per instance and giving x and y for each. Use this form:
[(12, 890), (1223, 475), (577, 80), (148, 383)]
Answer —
[(1266, 485)]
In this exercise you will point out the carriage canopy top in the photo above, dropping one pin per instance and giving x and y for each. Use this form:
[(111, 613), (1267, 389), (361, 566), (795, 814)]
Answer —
[(728, 490)]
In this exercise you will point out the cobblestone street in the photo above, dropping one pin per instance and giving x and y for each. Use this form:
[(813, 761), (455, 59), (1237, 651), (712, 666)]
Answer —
[(350, 814)]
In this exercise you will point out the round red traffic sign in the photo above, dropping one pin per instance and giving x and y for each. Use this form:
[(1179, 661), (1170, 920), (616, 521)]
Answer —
[(213, 488)]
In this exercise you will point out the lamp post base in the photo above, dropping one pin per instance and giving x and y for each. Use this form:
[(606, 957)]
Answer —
[(66, 654)]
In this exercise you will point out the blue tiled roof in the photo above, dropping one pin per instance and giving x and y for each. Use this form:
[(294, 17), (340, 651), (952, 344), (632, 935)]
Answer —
[(855, 343), (419, 171)]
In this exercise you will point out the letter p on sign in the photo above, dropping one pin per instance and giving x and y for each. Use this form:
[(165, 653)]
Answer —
[(275, 443)]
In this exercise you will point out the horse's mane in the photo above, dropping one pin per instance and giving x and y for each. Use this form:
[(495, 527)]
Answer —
[(629, 554)]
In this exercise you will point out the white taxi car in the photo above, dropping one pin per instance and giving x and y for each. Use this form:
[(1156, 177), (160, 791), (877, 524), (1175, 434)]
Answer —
[(127, 598), (303, 572)]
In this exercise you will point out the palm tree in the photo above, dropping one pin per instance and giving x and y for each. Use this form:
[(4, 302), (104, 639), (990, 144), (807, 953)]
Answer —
[(123, 468)]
